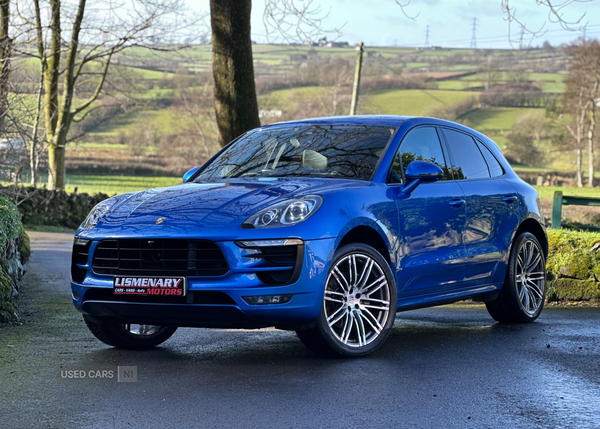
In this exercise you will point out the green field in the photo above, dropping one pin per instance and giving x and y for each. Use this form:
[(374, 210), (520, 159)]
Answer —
[(495, 121), (547, 192), (160, 120), (112, 185), (410, 102), (117, 184)]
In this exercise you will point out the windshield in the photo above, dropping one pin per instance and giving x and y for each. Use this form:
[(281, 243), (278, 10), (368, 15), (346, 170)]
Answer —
[(343, 151)]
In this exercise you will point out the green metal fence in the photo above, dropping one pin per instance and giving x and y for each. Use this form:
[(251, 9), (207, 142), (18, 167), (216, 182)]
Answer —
[(564, 200)]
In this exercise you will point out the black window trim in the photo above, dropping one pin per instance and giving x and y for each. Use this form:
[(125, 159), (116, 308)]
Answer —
[(476, 140), (445, 154), (493, 156)]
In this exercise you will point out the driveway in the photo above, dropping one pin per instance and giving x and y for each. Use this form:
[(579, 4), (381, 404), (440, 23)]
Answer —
[(446, 367)]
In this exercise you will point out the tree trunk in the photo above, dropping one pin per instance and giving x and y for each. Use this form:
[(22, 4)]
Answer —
[(33, 150), (52, 72), (56, 166), (236, 106), (5, 52), (591, 130), (579, 168), (62, 115)]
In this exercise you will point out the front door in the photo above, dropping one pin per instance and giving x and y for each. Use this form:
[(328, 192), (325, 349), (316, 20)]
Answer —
[(431, 254)]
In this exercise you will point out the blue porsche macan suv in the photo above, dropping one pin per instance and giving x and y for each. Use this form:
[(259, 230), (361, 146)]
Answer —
[(324, 226)]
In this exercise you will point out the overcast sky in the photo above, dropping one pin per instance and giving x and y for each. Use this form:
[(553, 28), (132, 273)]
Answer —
[(381, 22)]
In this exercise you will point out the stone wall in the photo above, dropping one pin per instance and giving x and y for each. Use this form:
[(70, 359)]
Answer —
[(39, 206), (14, 254)]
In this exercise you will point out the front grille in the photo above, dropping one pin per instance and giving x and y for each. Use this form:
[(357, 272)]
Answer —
[(193, 297), (155, 257)]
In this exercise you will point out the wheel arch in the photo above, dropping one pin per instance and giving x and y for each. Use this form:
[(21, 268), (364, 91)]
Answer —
[(533, 226), (367, 235)]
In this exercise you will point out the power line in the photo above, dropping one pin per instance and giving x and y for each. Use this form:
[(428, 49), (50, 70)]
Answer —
[(474, 35), (503, 37)]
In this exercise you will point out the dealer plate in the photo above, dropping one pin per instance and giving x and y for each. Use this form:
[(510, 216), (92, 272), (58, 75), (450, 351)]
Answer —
[(150, 286)]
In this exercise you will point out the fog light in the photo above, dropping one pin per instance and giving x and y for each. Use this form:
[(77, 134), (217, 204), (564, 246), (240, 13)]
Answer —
[(81, 242), (268, 299), (76, 294)]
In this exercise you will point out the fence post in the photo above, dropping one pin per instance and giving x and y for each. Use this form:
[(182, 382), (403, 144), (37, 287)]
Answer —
[(359, 50), (557, 209)]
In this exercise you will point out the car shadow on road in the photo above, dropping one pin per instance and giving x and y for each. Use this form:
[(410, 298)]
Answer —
[(419, 338)]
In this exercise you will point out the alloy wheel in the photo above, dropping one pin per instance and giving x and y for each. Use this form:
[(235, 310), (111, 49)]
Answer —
[(357, 300), (530, 277)]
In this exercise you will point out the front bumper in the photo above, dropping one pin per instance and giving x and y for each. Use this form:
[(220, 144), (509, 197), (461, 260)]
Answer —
[(218, 301)]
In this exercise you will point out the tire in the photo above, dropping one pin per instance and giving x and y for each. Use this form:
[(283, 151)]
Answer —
[(123, 336), (359, 305), (522, 301)]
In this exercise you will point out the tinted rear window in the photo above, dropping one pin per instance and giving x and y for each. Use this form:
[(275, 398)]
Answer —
[(495, 167), (468, 162)]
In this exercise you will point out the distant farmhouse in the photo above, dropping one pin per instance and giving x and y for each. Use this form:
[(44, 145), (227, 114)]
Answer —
[(323, 43)]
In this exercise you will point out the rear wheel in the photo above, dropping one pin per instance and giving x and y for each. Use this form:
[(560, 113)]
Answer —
[(130, 336), (522, 296), (359, 305)]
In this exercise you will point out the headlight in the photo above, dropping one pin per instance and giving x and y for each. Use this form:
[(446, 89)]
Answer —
[(287, 213), (97, 212)]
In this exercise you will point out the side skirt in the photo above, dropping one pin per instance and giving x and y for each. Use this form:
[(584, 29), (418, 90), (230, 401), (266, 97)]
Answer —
[(480, 293)]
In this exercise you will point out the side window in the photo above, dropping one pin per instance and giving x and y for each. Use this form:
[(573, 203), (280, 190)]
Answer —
[(495, 167), (468, 161), (421, 144)]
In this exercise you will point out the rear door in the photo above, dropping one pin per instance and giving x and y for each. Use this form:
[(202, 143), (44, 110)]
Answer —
[(432, 219), (492, 211)]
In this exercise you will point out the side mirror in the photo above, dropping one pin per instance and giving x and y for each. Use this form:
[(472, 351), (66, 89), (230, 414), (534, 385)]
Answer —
[(420, 171), (188, 175)]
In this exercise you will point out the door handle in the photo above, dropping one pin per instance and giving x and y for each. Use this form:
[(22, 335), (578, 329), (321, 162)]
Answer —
[(509, 198), (457, 202)]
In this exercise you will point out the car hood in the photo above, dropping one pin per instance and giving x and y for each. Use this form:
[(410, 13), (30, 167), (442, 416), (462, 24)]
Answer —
[(206, 206)]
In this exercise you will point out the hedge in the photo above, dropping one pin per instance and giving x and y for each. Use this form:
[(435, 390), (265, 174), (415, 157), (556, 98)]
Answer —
[(573, 266), (14, 254)]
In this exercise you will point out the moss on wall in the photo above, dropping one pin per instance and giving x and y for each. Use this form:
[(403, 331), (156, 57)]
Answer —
[(13, 241), (573, 266)]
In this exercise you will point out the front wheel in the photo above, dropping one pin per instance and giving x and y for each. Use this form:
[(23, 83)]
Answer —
[(359, 304), (130, 336), (522, 296)]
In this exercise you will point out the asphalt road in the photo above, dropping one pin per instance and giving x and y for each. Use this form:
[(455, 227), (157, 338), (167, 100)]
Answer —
[(448, 367)]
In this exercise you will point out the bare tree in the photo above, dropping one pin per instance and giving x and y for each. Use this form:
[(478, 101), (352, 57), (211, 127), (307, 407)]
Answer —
[(556, 10), (580, 101), (296, 22), (84, 52), (585, 75), (5, 53), (23, 116), (491, 73), (336, 77), (236, 106)]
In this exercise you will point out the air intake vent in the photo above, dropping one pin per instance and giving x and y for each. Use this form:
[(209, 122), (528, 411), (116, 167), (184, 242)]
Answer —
[(155, 257), (81, 249)]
